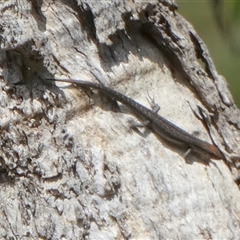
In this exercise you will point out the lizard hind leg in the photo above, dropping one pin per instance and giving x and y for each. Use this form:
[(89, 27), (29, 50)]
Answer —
[(133, 125), (154, 106)]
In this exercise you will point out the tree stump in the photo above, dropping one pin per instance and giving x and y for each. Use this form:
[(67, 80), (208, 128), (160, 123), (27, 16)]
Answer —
[(71, 167)]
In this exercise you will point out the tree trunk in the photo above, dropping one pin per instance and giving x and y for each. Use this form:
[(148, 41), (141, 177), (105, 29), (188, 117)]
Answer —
[(71, 168)]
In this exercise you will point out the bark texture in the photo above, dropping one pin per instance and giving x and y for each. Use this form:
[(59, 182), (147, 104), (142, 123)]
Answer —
[(70, 167)]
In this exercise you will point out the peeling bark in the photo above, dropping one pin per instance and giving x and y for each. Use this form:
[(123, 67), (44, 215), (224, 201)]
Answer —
[(70, 167)]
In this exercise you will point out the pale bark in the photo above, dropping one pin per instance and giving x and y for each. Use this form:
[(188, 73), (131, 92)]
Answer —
[(71, 168)]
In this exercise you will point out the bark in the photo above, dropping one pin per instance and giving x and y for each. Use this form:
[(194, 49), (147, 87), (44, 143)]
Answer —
[(71, 168)]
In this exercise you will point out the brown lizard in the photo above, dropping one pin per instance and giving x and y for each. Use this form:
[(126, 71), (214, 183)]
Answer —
[(158, 124)]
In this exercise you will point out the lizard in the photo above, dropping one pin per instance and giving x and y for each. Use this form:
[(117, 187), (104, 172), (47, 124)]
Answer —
[(160, 125)]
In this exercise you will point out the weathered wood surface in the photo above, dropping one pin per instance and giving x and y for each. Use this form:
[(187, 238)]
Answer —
[(71, 168)]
